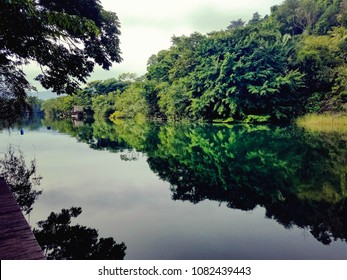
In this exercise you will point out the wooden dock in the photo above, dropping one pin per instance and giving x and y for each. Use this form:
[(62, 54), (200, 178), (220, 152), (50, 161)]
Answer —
[(17, 242)]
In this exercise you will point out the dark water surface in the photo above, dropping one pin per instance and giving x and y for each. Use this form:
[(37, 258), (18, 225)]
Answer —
[(189, 191)]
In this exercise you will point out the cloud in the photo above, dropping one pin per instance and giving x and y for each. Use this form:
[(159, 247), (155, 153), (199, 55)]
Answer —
[(147, 26), (202, 15), (210, 18)]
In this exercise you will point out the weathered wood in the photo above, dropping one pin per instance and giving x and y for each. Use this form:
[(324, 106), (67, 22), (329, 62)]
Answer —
[(17, 242)]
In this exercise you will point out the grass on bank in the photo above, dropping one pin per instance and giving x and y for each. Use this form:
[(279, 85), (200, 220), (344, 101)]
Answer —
[(324, 122)]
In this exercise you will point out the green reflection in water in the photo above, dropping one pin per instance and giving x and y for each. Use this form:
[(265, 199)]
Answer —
[(299, 177)]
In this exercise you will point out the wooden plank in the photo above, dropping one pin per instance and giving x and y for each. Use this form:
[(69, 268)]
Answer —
[(17, 242)]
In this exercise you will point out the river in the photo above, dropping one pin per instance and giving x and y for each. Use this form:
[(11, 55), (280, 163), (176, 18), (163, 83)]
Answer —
[(194, 191)]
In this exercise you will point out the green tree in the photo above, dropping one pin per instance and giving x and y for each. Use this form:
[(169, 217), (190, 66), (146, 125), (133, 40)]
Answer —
[(236, 24), (103, 105), (255, 19), (307, 14), (331, 9), (106, 86), (285, 15), (323, 59), (66, 38), (58, 107), (131, 103)]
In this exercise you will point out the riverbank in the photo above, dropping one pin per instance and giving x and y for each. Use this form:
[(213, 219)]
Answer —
[(324, 122)]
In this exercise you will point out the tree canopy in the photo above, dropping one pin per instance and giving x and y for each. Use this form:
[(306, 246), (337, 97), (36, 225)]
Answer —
[(270, 69), (66, 38), (273, 68)]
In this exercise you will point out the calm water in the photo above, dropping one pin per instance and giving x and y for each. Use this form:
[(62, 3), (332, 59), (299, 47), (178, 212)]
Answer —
[(195, 191)]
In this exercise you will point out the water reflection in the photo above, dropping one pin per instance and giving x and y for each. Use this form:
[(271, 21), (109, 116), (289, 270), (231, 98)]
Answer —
[(21, 178), (297, 176), (62, 241), (57, 237)]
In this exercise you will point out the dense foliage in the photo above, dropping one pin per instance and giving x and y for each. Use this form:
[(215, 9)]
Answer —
[(66, 38), (97, 98), (270, 69)]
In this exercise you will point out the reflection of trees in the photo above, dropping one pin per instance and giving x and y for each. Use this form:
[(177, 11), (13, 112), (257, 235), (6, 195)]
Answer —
[(21, 179), (326, 221), (99, 135), (299, 177), (56, 236), (83, 133), (103, 135), (62, 241), (29, 122)]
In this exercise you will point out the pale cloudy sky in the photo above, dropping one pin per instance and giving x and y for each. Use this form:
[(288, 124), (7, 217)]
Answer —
[(147, 26)]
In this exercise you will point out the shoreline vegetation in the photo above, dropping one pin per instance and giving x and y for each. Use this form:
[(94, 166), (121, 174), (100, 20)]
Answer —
[(329, 123), (271, 69)]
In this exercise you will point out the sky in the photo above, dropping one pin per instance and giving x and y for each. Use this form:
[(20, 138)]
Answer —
[(148, 26)]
